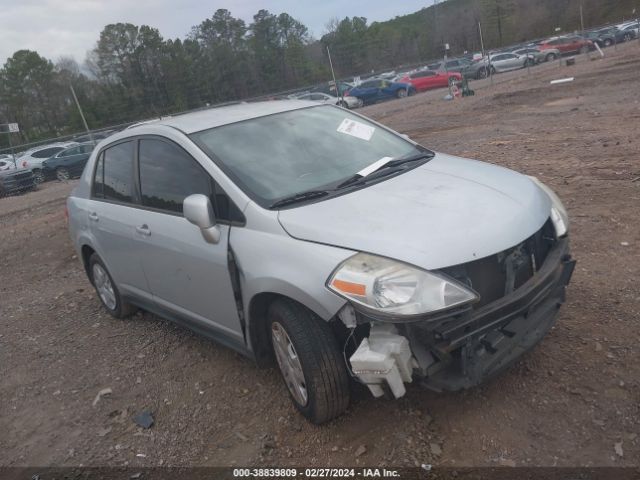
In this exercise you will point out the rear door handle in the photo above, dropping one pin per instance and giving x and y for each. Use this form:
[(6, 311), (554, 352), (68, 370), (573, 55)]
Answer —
[(143, 230), (93, 216)]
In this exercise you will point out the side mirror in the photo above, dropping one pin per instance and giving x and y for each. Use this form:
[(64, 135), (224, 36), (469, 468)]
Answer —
[(198, 210)]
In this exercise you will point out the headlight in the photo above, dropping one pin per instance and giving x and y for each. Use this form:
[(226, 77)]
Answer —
[(392, 287), (559, 216)]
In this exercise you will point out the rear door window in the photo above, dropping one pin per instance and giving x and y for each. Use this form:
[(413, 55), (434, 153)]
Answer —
[(118, 173)]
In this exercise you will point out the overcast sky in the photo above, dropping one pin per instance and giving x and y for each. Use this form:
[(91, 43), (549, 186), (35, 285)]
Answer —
[(56, 28)]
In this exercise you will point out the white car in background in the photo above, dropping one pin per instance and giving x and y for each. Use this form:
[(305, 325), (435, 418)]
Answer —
[(504, 62), (34, 157), (346, 102)]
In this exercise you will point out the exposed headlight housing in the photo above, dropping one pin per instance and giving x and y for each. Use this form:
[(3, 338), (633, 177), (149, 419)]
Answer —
[(559, 215), (390, 287)]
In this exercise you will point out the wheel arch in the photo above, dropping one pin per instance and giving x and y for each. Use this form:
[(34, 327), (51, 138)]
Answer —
[(258, 334)]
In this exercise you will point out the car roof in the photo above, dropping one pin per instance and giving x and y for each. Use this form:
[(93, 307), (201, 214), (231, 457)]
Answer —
[(218, 116)]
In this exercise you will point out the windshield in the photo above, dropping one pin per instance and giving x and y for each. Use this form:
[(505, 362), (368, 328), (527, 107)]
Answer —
[(280, 155)]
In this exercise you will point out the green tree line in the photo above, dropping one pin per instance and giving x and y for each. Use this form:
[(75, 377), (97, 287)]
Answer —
[(134, 73)]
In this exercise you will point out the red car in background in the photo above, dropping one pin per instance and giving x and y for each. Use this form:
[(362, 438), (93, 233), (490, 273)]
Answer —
[(428, 79), (567, 44)]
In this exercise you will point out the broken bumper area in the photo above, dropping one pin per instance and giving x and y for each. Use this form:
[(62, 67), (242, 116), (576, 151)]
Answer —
[(464, 352), (466, 349)]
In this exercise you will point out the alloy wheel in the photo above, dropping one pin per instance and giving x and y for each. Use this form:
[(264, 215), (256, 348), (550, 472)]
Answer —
[(104, 287), (62, 174)]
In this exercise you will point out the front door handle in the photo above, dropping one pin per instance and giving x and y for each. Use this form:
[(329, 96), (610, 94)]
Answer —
[(143, 230), (93, 216)]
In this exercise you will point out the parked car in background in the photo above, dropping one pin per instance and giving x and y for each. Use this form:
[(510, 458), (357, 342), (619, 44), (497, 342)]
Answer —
[(454, 65), (619, 35), (16, 181), (68, 163), (567, 44), (376, 90), (424, 80), (330, 89), (477, 69), (602, 38), (537, 55), (631, 30), (362, 256), (346, 102), (505, 62), (33, 158)]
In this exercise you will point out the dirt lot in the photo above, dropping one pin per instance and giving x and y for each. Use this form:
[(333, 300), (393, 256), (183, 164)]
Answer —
[(567, 403)]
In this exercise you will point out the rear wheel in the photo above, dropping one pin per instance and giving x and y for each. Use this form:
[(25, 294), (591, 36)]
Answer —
[(107, 291), (62, 174), (401, 93), (482, 73), (310, 361), (38, 175), (550, 57), (607, 42)]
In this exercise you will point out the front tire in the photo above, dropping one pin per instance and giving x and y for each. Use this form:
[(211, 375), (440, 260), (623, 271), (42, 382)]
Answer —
[(401, 93), (310, 361), (62, 174), (550, 57), (38, 175), (107, 291)]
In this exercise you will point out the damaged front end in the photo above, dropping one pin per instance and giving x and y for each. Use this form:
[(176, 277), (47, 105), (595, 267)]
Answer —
[(519, 293)]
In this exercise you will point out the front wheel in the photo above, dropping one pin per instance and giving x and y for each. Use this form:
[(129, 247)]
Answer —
[(627, 37), (62, 174), (402, 93), (550, 57), (38, 176), (310, 361)]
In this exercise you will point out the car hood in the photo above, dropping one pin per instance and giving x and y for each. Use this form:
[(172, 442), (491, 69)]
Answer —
[(446, 212)]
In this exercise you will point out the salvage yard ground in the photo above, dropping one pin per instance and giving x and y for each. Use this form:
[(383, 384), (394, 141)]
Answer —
[(575, 400)]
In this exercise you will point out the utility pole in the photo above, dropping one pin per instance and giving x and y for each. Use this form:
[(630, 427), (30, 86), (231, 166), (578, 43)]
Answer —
[(333, 74), (73, 92), (581, 20)]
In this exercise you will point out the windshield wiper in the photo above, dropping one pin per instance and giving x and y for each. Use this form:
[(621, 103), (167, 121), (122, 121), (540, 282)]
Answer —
[(387, 167), (299, 197)]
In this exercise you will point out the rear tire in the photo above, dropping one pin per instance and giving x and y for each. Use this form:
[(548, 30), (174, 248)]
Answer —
[(310, 361), (550, 57), (401, 93), (62, 174), (482, 73), (607, 43), (38, 175), (107, 291)]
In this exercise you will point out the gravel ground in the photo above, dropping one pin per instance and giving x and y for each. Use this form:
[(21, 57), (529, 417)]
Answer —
[(573, 401)]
